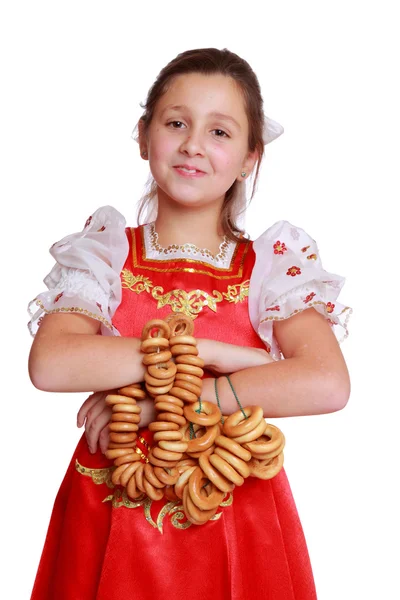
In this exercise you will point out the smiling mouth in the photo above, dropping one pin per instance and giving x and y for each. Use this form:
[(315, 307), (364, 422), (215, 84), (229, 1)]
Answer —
[(186, 169)]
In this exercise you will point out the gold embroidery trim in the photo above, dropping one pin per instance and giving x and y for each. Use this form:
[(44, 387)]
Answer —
[(196, 263), (119, 498), (190, 303), (74, 309)]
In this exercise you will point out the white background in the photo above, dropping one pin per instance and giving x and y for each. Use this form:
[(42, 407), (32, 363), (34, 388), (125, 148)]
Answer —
[(72, 76)]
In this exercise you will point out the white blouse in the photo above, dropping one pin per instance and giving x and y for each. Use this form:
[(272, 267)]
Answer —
[(287, 277)]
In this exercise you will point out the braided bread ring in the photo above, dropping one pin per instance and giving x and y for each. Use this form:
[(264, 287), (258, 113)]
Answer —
[(133, 392), (209, 415), (162, 371), (226, 469), (237, 424), (252, 435), (237, 463), (233, 447), (221, 482), (156, 324), (212, 500)]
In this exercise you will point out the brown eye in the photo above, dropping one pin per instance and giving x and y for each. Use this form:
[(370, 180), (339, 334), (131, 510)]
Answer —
[(176, 124), (220, 133)]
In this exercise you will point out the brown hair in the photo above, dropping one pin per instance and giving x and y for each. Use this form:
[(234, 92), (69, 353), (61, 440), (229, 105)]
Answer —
[(209, 61)]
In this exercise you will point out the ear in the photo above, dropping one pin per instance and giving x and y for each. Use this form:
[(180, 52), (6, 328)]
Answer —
[(248, 165), (142, 140)]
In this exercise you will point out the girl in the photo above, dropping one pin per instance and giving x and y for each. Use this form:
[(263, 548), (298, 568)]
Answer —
[(203, 132)]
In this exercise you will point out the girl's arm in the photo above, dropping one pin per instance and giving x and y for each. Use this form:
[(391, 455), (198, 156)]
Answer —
[(313, 378), (67, 355)]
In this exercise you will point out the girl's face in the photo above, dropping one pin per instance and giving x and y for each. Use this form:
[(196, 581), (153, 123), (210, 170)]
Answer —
[(197, 141)]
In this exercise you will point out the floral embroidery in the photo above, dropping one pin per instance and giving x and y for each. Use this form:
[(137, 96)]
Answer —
[(277, 307), (101, 228), (309, 298), (237, 293), (312, 257), (137, 283), (305, 248), (330, 307), (279, 247), (56, 299), (293, 271), (89, 220), (119, 498)]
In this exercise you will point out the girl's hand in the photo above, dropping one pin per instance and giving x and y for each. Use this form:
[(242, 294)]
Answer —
[(96, 415), (228, 358)]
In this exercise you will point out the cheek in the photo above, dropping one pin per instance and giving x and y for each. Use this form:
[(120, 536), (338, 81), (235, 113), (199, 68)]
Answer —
[(161, 147), (226, 158)]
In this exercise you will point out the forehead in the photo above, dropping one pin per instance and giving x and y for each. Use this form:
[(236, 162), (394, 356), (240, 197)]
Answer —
[(204, 94)]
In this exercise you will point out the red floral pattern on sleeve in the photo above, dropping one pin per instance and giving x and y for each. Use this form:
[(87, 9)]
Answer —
[(293, 271), (309, 298), (101, 228), (330, 307), (279, 247), (56, 299), (277, 308), (88, 221)]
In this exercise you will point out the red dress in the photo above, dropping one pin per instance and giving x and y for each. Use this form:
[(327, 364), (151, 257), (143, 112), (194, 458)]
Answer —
[(101, 545)]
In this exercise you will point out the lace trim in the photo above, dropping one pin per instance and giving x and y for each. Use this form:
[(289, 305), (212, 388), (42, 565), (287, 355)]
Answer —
[(153, 248), (74, 309)]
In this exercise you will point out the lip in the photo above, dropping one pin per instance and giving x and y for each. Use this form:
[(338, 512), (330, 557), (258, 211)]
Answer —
[(179, 170)]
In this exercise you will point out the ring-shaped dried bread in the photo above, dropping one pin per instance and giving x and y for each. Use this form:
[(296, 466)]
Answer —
[(270, 455), (189, 359), (152, 492), (209, 413), (185, 463), (163, 426), (171, 418), (156, 382), (243, 421), (167, 435), (180, 324), (112, 445), (226, 470), (157, 326), (221, 482), (122, 438), (132, 488), (182, 481), (252, 435), (112, 399), (116, 452), (189, 379), (139, 476), (125, 417), (184, 394), (203, 442), (207, 452), (157, 462), (152, 477), (116, 474), (127, 474), (194, 514), (270, 441), (167, 476), (212, 497), (133, 391), (228, 444), (169, 407), (127, 408), (170, 399), (184, 350), (127, 458), (189, 369), (162, 370), (122, 427), (154, 391), (154, 345), (185, 385), (157, 358), (237, 463), (173, 446), (166, 455), (183, 339), (266, 469)]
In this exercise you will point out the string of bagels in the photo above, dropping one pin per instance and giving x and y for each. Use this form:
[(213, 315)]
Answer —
[(198, 455)]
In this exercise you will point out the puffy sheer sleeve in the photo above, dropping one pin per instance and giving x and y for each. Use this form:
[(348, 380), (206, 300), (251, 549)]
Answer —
[(86, 276), (288, 278)]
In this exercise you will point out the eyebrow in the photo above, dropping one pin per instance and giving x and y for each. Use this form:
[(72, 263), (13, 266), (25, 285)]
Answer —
[(215, 114)]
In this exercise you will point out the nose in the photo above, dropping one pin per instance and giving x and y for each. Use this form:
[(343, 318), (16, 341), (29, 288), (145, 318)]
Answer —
[(192, 144)]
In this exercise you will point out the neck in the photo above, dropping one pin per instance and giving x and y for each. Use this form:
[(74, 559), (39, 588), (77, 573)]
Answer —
[(195, 225)]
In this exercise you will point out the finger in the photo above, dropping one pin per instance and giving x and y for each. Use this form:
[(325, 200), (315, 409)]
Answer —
[(104, 439), (86, 406), (94, 428)]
